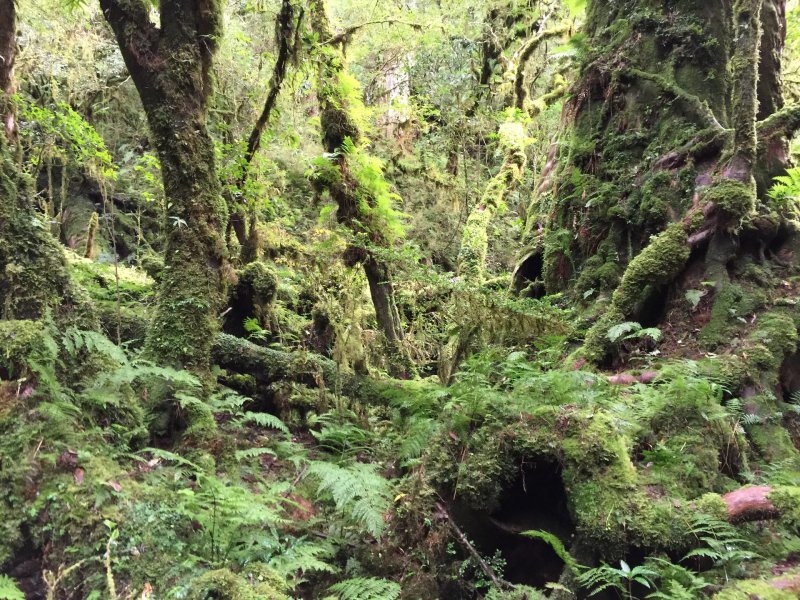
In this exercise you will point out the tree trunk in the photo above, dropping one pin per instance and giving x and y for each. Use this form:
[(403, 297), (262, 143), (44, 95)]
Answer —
[(33, 272), (339, 125), (8, 54), (669, 128), (170, 66)]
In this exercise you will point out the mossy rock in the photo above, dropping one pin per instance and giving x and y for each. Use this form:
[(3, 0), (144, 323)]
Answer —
[(23, 344), (754, 589), (257, 583)]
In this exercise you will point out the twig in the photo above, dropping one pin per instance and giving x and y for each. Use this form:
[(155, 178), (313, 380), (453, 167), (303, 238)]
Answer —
[(497, 581)]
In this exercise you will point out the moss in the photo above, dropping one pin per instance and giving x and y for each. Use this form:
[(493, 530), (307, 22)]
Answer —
[(152, 264), (259, 583), (787, 500), (712, 505), (596, 345), (33, 273), (734, 200), (656, 265), (754, 589), (23, 345)]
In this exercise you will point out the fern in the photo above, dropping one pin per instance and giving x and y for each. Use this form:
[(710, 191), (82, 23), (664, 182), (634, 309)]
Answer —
[(303, 557), (364, 588), (358, 491), (76, 341), (556, 545), (264, 420), (9, 589), (241, 455)]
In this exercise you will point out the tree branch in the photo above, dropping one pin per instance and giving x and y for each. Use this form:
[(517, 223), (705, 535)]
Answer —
[(698, 106), (344, 36), (523, 55), (137, 38), (285, 27), (785, 122)]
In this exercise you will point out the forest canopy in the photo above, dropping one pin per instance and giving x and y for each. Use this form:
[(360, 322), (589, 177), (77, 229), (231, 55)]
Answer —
[(378, 300)]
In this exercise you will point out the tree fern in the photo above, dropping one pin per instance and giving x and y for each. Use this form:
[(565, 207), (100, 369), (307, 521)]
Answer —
[(364, 588), (358, 491)]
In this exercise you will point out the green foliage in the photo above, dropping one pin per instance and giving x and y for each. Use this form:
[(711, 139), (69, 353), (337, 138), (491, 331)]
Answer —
[(364, 588), (620, 579), (557, 546), (9, 589), (357, 490)]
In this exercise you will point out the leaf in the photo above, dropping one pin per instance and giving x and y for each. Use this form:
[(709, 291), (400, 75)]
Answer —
[(617, 331), (693, 297), (624, 566)]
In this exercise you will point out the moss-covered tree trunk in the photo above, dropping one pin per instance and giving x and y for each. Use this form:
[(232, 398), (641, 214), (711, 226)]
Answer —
[(674, 131), (170, 66), (33, 272), (356, 203)]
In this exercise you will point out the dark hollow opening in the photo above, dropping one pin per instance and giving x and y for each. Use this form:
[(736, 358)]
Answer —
[(528, 277), (535, 500)]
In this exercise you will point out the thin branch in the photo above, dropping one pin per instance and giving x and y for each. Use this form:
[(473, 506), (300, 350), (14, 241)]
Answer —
[(344, 36), (285, 27), (485, 567), (698, 106)]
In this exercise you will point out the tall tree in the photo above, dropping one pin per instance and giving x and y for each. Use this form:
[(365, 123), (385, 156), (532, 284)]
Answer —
[(674, 130), (33, 271), (171, 67), (356, 181)]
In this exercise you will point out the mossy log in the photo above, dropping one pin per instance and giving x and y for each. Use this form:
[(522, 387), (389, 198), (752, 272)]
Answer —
[(267, 366)]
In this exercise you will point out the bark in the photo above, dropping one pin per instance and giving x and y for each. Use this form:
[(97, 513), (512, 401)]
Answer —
[(8, 54), (338, 124), (170, 66)]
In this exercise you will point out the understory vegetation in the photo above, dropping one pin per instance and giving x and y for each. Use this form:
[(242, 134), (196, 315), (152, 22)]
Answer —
[(441, 299)]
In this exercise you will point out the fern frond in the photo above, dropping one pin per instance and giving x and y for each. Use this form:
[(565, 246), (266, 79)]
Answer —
[(264, 420), (357, 490), (364, 588), (9, 589)]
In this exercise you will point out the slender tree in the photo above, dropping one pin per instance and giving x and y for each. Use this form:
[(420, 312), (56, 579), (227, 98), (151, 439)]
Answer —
[(170, 65), (357, 202)]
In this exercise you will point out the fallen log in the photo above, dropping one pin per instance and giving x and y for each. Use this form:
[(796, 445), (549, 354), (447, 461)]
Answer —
[(268, 365)]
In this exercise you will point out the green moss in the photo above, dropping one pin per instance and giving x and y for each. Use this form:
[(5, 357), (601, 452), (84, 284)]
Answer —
[(23, 345), (656, 265), (734, 200), (258, 584), (787, 500), (754, 589), (33, 273), (712, 505)]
